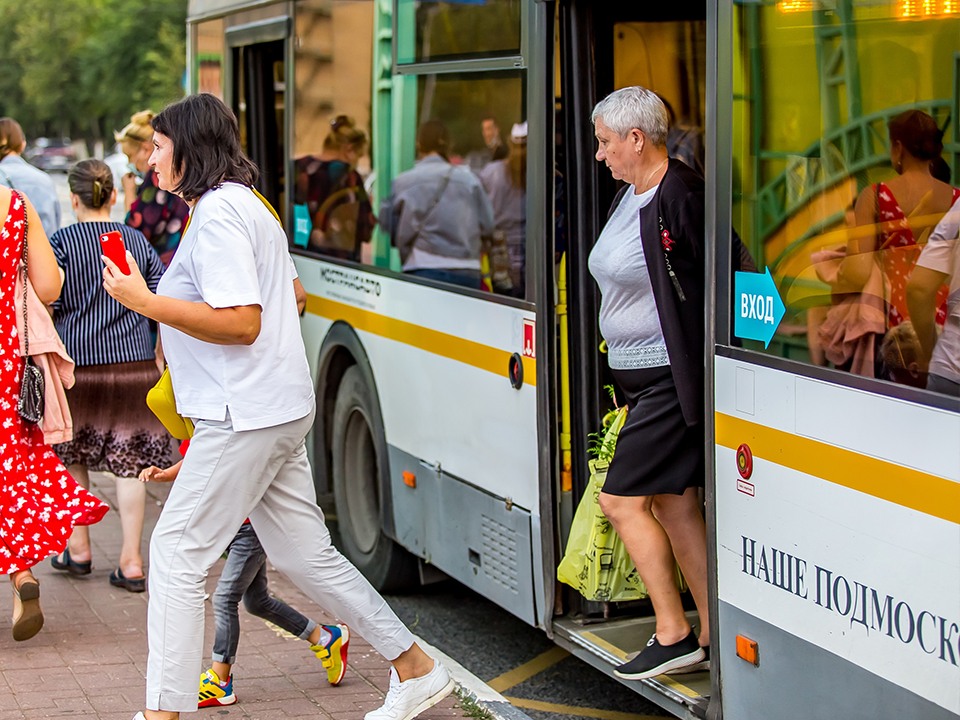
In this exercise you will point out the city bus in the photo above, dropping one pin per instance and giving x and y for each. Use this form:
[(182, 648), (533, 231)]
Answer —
[(454, 425)]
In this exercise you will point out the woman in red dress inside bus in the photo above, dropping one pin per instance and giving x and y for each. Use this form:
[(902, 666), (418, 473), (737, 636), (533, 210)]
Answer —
[(39, 502)]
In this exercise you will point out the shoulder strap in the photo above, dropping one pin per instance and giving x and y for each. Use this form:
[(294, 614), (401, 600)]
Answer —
[(436, 200), (23, 269), (8, 180)]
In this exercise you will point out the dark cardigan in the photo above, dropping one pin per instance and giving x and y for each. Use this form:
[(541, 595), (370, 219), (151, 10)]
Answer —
[(672, 232)]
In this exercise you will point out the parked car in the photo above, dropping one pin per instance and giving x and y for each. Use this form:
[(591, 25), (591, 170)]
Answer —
[(51, 154)]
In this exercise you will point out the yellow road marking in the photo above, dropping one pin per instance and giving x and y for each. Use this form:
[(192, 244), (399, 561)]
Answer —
[(472, 353), (528, 670), (581, 711), (914, 489)]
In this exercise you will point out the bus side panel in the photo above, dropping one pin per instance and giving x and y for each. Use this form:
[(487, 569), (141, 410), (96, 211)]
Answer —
[(441, 362), (843, 531), (797, 680), (474, 537)]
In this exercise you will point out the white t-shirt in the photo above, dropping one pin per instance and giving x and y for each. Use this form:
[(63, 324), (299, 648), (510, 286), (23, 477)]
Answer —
[(235, 253), (629, 321), (942, 253)]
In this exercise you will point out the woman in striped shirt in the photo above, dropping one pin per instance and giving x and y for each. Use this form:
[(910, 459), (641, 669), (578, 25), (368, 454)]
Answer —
[(114, 431)]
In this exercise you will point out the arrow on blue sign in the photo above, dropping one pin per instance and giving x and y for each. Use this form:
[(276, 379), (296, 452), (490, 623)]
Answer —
[(758, 308)]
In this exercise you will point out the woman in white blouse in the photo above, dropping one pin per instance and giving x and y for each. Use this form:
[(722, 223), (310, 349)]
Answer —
[(229, 325)]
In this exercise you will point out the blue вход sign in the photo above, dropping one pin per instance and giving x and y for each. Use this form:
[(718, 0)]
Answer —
[(757, 307)]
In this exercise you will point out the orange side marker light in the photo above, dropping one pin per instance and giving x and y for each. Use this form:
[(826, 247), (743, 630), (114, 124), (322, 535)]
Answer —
[(409, 479), (748, 650)]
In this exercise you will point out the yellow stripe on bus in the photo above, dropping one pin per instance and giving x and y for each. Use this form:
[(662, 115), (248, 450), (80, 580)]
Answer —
[(439, 343), (914, 489)]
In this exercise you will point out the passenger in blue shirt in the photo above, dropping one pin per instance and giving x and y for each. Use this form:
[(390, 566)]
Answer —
[(113, 430), (17, 173)]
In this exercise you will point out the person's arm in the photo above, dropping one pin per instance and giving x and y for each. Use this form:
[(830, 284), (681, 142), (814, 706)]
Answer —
[(129, 190), (221, 326), (928, 276), (42, 268), (155, 474), (922, 290), (484, 211), (301, 295), (862, 246)]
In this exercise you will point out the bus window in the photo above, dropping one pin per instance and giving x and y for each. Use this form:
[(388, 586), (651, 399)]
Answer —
[(429, 31), (332, 162), (478, 167), (208, 77), (842, 184)]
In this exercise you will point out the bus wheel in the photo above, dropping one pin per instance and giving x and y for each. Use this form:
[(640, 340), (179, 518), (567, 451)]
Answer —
[(360, 471)]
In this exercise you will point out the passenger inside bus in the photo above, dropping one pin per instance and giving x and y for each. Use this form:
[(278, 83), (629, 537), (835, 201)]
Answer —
[(505, 182), (437, 213), (340, 215), (494, 148)]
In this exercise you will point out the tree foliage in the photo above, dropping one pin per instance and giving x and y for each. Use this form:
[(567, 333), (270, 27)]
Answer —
[(81, 67)]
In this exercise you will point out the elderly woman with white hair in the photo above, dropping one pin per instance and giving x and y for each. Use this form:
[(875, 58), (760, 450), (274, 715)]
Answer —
[(648, 262)]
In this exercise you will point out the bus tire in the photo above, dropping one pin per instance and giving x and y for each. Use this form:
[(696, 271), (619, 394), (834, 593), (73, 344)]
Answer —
[(360, 461)]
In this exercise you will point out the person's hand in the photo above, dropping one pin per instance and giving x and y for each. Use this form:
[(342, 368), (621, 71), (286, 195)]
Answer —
[(155, 474), (129, 290), (129, 182)]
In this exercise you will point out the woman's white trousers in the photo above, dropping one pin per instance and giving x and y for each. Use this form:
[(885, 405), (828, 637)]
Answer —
[(226, 477)]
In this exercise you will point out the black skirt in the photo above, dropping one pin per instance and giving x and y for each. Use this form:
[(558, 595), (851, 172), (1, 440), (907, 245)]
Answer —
[(656, 453)]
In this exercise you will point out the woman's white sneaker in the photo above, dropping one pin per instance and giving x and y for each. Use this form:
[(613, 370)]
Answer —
[(405, 700)]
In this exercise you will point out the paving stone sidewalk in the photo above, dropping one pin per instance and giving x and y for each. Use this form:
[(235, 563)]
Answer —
[(90, 658)]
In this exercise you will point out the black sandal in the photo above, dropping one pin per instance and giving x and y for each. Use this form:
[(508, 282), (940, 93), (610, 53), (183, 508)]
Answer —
[(134, 585), (70, 565)]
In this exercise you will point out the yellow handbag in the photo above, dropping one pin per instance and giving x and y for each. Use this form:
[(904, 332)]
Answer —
[(163, 404), (160, 398)]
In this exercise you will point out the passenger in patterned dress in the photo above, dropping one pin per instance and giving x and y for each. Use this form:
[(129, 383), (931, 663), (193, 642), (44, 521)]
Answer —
[(157, 214), (39, 502)]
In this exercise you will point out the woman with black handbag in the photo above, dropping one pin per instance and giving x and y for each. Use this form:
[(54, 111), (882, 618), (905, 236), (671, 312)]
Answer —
[(39, 501)]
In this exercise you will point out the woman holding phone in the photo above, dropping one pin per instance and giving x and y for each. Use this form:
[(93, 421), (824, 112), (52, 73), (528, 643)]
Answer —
[(228, 319), (114, 431)]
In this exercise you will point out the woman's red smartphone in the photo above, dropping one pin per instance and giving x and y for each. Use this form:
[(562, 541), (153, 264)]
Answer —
[(112, 245)]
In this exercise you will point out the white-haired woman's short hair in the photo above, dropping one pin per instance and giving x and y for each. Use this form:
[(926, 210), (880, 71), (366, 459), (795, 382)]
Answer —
[(634, 107)]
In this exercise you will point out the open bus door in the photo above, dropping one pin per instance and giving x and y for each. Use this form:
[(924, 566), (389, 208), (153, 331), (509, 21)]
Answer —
[(256, 87), (603, 47)]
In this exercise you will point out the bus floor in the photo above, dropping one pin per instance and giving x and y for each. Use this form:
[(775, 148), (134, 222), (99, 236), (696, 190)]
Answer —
[(516, 660)]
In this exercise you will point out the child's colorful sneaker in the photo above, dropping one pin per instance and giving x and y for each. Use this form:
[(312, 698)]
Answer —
[(213, 692), (333, 654)]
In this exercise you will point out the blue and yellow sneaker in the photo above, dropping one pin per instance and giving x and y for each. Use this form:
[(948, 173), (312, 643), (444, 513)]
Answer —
[(333, 655), (213, 692)]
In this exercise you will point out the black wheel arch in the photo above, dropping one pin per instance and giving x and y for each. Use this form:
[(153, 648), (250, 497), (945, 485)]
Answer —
[(340, 350)]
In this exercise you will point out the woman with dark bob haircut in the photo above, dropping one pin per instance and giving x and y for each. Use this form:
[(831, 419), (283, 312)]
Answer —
[(229, 324)]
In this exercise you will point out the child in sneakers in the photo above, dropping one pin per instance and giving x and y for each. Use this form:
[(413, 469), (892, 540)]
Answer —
[(244, 576)]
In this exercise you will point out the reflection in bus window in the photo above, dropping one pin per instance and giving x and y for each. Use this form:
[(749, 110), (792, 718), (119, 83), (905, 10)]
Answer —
[(439, 213), (505, 182), (841, 183), (429, 30), (333, 75), (461, 103), (333, 212)]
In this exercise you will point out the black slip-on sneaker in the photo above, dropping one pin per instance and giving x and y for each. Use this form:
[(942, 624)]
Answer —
[(702, 666), (656, 659)]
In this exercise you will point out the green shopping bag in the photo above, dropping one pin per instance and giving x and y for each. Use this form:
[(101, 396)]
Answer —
[(596, 563)]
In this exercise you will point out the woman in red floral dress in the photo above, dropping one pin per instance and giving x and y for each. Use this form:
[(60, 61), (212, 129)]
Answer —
[(39, 502)]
